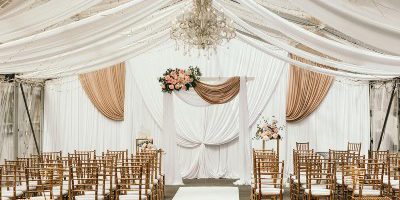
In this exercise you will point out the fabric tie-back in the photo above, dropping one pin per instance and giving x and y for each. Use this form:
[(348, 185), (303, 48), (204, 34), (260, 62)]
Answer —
[(106, 90), (307, 90), (218, 94)]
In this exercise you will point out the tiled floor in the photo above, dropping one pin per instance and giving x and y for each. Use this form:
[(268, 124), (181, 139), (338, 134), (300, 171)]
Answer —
[(244, 191)]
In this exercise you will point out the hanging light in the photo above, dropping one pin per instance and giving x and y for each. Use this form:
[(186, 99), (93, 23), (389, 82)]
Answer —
[(202, 27)]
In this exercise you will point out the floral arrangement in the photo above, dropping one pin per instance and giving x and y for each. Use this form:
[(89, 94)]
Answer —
[(179, 79), (268, 130), (147, 144)]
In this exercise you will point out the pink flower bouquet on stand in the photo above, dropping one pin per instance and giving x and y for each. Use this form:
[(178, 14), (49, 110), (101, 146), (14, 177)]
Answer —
[(269, 130)]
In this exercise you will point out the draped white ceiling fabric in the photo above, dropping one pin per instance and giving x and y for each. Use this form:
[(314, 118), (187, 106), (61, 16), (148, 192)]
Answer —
[(232, 10), (355, 17), (33, 20), (208, 136), (135, 27), (350, 54)]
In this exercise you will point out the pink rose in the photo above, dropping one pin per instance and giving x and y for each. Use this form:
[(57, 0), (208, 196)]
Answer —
[(171, 87), (163, 87)]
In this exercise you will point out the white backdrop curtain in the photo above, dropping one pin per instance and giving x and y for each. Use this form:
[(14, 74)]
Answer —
[(72, 122), (169, 134), (206, 137)]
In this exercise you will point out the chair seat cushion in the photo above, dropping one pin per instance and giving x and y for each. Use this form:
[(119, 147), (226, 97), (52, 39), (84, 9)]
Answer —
[(392, 182), (318, 192), (368, 192), (269, 191), (88, 197), (10, 193), (131, 197)]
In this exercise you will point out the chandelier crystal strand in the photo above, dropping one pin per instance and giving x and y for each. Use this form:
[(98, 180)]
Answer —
[(202, 27)]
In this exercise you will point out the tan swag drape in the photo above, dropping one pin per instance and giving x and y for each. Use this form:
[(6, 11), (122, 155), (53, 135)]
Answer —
[(106, 89), (307, 90), (218, 94)]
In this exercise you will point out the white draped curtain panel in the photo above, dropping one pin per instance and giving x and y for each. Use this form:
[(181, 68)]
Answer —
[(204, 132), (207, 136)]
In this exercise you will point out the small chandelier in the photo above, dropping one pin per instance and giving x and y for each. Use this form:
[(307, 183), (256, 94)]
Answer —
[(202, 27)]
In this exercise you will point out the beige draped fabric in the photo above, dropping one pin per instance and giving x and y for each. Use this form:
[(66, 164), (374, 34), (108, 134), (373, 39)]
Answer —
[(307, 90), (218, 94), (106, 89)]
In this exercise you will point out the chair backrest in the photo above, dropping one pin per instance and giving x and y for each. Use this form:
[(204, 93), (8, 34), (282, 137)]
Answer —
[(370, 176), (10, 179), (380, 156), (91, 154), (120, 155), (302, 146), (84, 179), (354, 147), (320, 173), (131, 180), (269, 174)]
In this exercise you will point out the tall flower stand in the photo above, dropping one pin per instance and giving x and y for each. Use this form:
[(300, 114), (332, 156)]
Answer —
[(277, 146)]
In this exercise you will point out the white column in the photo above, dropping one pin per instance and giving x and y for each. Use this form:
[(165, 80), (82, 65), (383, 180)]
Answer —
[(168, 143), (244, 137)]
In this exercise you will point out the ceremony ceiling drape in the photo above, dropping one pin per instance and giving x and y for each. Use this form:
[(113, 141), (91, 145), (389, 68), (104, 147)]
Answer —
[(377, 21), (106, 90), (135, 27), (31, 21), (354, 55)]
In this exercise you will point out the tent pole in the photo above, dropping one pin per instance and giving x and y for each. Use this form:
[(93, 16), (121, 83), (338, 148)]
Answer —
[(387, 115), (30, 120)]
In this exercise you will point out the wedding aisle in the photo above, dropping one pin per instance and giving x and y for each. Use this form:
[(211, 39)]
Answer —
[(207, 193), (244, 191)]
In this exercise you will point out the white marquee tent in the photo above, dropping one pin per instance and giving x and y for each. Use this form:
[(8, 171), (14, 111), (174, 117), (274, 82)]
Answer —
[(55, 41)]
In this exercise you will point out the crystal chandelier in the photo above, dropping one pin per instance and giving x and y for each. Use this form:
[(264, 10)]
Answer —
[(202, 27)]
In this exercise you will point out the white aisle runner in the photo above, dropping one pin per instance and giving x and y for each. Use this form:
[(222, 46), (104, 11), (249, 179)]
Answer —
[(207, 193)]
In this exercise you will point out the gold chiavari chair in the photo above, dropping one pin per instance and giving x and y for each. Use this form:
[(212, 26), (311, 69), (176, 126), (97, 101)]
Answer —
[(20, 173), (319, 178), (367, 179), (1, 182), (260, 155), (155, 181), (160, 176), (390, 179), (269, 180), (9, 182), (354, 147), (132, 183), (342, 175), (299, 171), (302, 146), (150, 171), (84, 181)]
